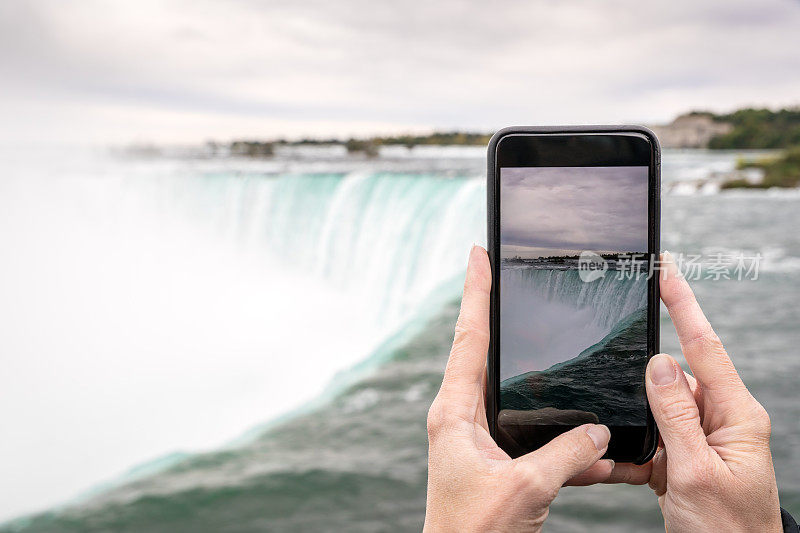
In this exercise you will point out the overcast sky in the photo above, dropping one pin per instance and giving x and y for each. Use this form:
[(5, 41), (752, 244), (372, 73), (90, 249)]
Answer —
[(575, 208), (188, 70)]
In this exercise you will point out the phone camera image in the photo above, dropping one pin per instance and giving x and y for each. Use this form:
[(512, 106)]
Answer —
[(573, 284)]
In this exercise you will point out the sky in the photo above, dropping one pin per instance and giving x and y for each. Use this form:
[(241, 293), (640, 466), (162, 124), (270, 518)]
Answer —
[(573, 208), (190, 70)]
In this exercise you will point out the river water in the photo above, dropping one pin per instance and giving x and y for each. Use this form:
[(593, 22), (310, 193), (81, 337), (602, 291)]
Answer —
[(212, 344)]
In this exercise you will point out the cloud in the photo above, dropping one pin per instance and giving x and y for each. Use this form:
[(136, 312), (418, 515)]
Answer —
[(305, 66), (574, 208)]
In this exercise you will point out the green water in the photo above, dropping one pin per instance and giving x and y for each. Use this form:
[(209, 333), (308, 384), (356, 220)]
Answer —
[(356, 461)]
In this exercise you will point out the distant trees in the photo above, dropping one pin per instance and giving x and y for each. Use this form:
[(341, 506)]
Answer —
[(759, 129), (749, 128), (252, 148), (781, 171), (439, 138), (368, 146), (764, 129)]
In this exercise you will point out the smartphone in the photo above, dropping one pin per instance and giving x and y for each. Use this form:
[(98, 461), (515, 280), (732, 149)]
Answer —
[(573, 220)]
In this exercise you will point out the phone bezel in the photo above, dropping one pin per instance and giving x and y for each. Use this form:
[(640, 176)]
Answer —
[(620, 452)]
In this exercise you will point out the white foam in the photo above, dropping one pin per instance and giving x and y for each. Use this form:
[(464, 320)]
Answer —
[(157, 306)]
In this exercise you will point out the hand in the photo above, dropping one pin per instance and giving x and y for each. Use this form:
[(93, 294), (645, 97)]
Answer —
[(473, 485), (714, 471)]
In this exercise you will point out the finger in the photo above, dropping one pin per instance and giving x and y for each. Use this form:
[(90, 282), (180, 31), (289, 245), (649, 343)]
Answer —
[(481, 418), (674, 409), (693, 386), (658, 477), (597, 473), (566, 456), (630, 474), (467, 363), (697, 392), (701, 347)]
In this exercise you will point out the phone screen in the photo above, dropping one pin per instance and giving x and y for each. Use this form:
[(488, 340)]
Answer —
[(574, 270)]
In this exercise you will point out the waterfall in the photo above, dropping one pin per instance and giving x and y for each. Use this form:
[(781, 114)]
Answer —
[(199, 299), (610, 298), (550, 315), (389, 238)]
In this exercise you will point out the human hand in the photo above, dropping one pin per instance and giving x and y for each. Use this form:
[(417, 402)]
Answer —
[(473, 485), (714, 471)]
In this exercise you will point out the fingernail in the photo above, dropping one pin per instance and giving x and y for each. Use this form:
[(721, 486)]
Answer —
[(610, 462), (599, 434), (668, 265), (662, 371)]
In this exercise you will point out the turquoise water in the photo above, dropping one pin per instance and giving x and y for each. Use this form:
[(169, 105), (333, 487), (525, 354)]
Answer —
[(384, 243)]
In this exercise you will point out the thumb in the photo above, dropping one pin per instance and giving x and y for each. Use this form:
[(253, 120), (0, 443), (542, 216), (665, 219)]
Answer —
[(675, 410), (567, 455)]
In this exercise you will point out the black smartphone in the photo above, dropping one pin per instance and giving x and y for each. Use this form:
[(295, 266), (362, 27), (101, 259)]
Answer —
[(573, 217)]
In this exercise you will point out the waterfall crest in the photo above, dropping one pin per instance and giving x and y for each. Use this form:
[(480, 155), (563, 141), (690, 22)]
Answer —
[(610, 298)]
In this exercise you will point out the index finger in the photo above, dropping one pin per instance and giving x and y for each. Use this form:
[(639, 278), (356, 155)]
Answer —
[(710, 363), (467, 362), (630, 474)]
